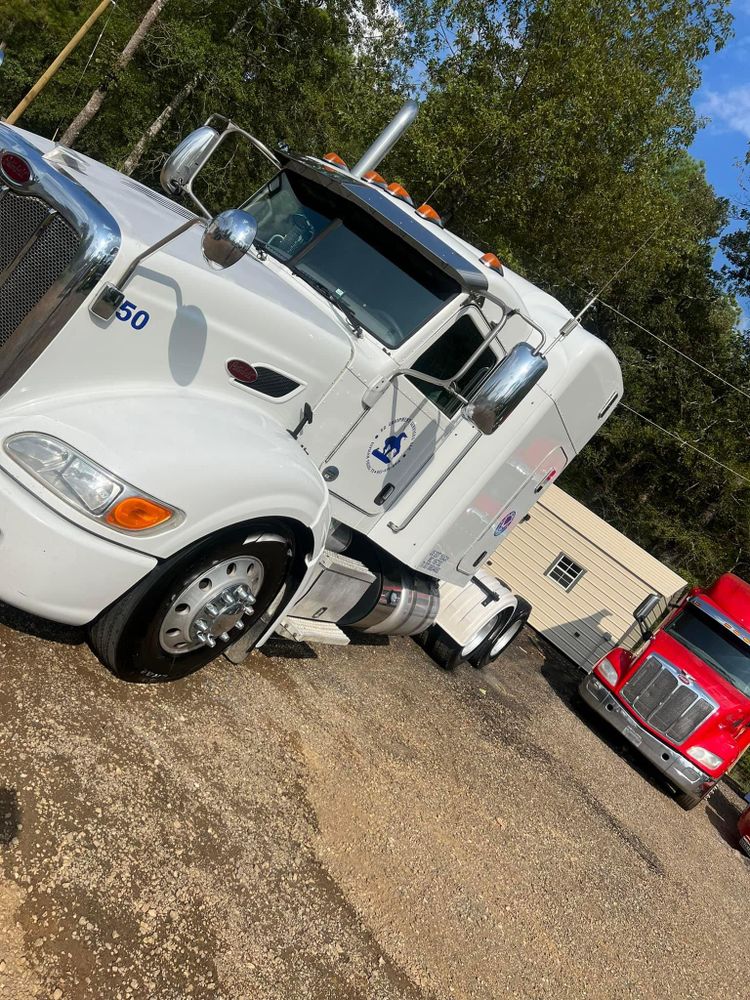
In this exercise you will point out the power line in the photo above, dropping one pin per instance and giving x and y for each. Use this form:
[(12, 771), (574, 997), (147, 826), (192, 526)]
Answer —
[(661, 340), (671, 347), (685, 443)]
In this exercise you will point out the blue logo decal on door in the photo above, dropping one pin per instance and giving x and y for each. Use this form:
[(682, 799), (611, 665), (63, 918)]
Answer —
[(390, 444)]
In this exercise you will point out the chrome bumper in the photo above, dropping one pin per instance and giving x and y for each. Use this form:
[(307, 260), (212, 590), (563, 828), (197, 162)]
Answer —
[(678, 770)]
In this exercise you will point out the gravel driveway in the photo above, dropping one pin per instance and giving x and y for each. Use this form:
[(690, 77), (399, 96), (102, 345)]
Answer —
[(355, 825)]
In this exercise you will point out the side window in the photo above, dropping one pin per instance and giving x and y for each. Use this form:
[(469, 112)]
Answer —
[(447, 356)]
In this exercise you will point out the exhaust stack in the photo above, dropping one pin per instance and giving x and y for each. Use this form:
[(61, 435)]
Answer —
[(387, 139)]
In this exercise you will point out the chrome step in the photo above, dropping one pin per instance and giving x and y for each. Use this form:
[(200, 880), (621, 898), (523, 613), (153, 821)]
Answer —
[(307, 630)]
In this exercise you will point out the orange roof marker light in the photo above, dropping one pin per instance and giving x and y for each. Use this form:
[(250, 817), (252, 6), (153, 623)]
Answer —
[(399, 191), (490, 260), (429, 213), (373, 177), (336, 160), (138, 514)]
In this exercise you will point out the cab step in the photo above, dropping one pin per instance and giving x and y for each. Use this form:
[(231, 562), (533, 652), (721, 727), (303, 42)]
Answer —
[(307, 630)]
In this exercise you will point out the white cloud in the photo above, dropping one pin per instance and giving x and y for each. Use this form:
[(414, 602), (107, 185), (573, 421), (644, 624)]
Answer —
[(730, 109)]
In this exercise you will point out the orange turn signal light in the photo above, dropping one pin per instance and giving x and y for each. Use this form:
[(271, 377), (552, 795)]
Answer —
[(429, 213), (373, 177), (138, 514), (335, 158), (490, 260), (399, 191)]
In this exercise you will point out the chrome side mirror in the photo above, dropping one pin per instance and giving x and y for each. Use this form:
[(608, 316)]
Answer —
[(229, 237), (506, 387), (188, 159), (641, 614)]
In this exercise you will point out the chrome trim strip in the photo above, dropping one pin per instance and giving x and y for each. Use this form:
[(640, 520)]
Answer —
[(99, 243), (728, 624)]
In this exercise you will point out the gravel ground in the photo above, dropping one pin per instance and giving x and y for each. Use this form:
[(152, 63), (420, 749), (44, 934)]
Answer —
[(355, 824)]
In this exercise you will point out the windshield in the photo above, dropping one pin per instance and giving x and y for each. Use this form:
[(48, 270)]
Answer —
[(390, 288), (714, 644)]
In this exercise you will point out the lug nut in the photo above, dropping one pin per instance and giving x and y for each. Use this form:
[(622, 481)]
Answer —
[(239, 625), (242, 592), (225, 637), (212, 610), (211, 641)]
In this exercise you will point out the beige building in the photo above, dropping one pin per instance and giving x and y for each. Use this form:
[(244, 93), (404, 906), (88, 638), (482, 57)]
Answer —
[(582, 576)]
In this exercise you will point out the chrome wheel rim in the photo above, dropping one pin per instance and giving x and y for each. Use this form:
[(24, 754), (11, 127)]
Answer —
[(506, 638), (213, 607), (478, 638)]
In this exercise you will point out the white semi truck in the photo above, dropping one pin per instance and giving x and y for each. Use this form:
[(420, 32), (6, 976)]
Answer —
[(319, 411)]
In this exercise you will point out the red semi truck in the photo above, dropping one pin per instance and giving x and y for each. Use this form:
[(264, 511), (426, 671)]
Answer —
[(682, 698)]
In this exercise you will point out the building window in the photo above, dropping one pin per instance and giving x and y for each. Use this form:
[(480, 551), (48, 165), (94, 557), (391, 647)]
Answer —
[(565, 572)]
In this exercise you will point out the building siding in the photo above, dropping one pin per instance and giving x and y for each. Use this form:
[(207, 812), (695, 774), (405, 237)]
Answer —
[(597, 612)]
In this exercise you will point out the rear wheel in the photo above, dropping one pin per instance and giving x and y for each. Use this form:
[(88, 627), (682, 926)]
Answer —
[(506, 627), (188, 610)]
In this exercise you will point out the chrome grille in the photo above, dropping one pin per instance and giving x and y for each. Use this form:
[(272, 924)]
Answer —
[(36, 246), (666, 699)]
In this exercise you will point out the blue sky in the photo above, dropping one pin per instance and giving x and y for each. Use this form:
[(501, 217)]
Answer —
[(724, 98)]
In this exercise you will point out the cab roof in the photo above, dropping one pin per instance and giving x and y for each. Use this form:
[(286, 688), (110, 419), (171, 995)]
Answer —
[(424, 237), (732, 596)]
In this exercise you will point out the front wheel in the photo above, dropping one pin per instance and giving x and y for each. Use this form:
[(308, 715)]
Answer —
[(188, 610)]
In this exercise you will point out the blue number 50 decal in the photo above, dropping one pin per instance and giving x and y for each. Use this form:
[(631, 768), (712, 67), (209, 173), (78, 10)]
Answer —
[(129, 313)]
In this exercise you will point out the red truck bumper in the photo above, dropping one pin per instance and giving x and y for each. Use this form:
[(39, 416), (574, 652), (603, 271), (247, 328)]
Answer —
[(678, 770)]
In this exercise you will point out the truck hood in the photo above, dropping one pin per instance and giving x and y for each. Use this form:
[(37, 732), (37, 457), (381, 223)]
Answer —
[(200, 318)]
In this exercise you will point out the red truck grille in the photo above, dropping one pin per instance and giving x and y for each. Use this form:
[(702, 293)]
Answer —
[(667, 700)]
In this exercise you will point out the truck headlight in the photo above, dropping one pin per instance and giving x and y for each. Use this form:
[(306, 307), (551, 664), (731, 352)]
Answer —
[(84, 484), (608, 671), (702, 756)]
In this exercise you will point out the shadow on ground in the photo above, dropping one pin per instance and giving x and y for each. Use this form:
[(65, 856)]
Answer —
[(40, 628), (723, 809)]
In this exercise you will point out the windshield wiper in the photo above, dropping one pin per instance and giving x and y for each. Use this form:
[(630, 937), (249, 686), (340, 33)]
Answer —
[(332, 297)]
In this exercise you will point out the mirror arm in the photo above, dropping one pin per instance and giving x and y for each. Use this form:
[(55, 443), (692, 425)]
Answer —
[(112, 296), (375, 391), (507, 313), (230, 127)]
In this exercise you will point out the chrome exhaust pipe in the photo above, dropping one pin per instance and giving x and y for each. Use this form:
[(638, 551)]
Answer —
[(387, 139)]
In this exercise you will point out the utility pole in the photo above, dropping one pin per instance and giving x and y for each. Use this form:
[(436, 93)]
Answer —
[(45, 78)]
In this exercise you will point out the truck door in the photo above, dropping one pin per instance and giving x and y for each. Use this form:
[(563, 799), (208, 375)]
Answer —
[(493, 533), (397, 439)]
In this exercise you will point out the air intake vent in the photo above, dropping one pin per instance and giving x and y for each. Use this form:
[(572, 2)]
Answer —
[(262, 379)]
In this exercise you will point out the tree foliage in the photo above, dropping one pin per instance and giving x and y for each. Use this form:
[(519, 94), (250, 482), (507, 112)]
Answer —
[(553, 132)]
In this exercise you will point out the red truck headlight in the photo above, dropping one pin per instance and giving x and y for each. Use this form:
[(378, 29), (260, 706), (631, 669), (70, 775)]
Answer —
[(702, 756), (608, 671)]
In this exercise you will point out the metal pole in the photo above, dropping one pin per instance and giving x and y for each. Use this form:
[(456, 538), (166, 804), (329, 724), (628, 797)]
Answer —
[(387, 139), (50, 72)]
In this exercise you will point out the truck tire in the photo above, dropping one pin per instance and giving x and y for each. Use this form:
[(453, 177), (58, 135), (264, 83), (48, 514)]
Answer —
[(504, 631), (445, 651), (186, 612)]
